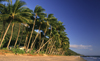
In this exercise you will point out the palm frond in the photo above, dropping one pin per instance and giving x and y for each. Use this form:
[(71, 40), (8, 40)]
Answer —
[(18, 4), (39, 9)]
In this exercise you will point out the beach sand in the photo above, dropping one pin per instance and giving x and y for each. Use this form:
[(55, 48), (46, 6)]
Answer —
[(39, 58)]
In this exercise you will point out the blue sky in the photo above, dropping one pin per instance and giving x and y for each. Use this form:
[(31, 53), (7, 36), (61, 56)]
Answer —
[(81, 19)]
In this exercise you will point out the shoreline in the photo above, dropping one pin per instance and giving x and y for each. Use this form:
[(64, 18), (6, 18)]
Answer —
[(12, 57)]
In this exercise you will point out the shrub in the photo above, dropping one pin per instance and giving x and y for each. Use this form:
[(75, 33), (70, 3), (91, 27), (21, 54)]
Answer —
[(32, 51), (41, 52), (17, 51)]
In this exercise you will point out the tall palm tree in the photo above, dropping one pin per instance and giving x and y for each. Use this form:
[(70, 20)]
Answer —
[(43, 45), (17, 35), (27, 35), (39, 25), (38, 12), (50, 19), (10, 36), (2, 11), (22, 34), (17, 13)]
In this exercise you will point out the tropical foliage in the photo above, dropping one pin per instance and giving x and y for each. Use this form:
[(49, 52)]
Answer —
[(35, 30)]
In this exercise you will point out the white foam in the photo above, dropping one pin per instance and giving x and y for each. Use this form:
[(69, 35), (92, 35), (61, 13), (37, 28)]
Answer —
[(94, 58)]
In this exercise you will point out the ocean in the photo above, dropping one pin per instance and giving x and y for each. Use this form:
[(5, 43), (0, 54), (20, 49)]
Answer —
[(92, 58)]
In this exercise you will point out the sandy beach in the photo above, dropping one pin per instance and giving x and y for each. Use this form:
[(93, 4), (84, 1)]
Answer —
[(39, 58)]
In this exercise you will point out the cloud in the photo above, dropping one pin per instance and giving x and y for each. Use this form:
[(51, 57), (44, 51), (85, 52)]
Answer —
[(81, 46)]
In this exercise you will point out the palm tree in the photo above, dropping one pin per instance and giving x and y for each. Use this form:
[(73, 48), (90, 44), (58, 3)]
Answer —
[(27, 35), (43, 45), (39, 25), (10, 36), (51, 40), (22, 34), (17, 13), (2, 11), (4, 15), (46, 26), (38, 12), (51, 21), (17, 35), (65, 41)]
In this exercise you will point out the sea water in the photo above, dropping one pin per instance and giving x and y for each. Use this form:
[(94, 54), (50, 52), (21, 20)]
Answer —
[(92, 58)]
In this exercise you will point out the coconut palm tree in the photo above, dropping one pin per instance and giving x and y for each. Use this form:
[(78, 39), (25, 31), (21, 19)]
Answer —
[(38, 13), (48, 19), (17, 13), (65, 41), (21, 35), (39, 24), (10, 36), (17, 35), (2, 11)]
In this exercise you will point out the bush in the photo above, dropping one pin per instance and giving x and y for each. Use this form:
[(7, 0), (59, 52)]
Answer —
[(3, 43), (32, 51), (17, 51), (5, 49), (41, 52)]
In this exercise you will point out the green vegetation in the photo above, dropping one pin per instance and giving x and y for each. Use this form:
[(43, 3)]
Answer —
[(70, 52), (18, 26)]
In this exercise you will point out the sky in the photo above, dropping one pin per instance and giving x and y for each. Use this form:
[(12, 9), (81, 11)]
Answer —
[(81, 19)]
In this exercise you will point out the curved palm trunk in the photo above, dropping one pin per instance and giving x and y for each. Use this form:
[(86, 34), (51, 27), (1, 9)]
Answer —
[(52, 47), (53, 51), (21, 35), (31, 32), (17, 35), (48, 43), (43, 46), (10, 36), (47, 48), (5, 33), (35, 38), (25, 44), (44, 36), (63, 52), (39, 40)]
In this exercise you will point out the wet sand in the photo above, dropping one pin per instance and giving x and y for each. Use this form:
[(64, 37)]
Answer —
[(39, 58)]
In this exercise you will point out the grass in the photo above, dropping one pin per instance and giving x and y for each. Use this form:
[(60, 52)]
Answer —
[(17, 51)]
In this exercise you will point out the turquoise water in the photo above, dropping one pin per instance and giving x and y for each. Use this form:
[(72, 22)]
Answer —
[(92, 58)]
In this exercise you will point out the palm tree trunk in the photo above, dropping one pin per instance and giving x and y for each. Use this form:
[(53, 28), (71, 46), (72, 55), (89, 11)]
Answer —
[(35, 38), (17, 35), (21, 35), (43, 45), (44, 37), (33, 41), (10, 36), (39, 40), (25, 44), (48, 43), (5, 33), (47, 48), (53, 51), (31, 32), (63, 52), (52, 47)]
